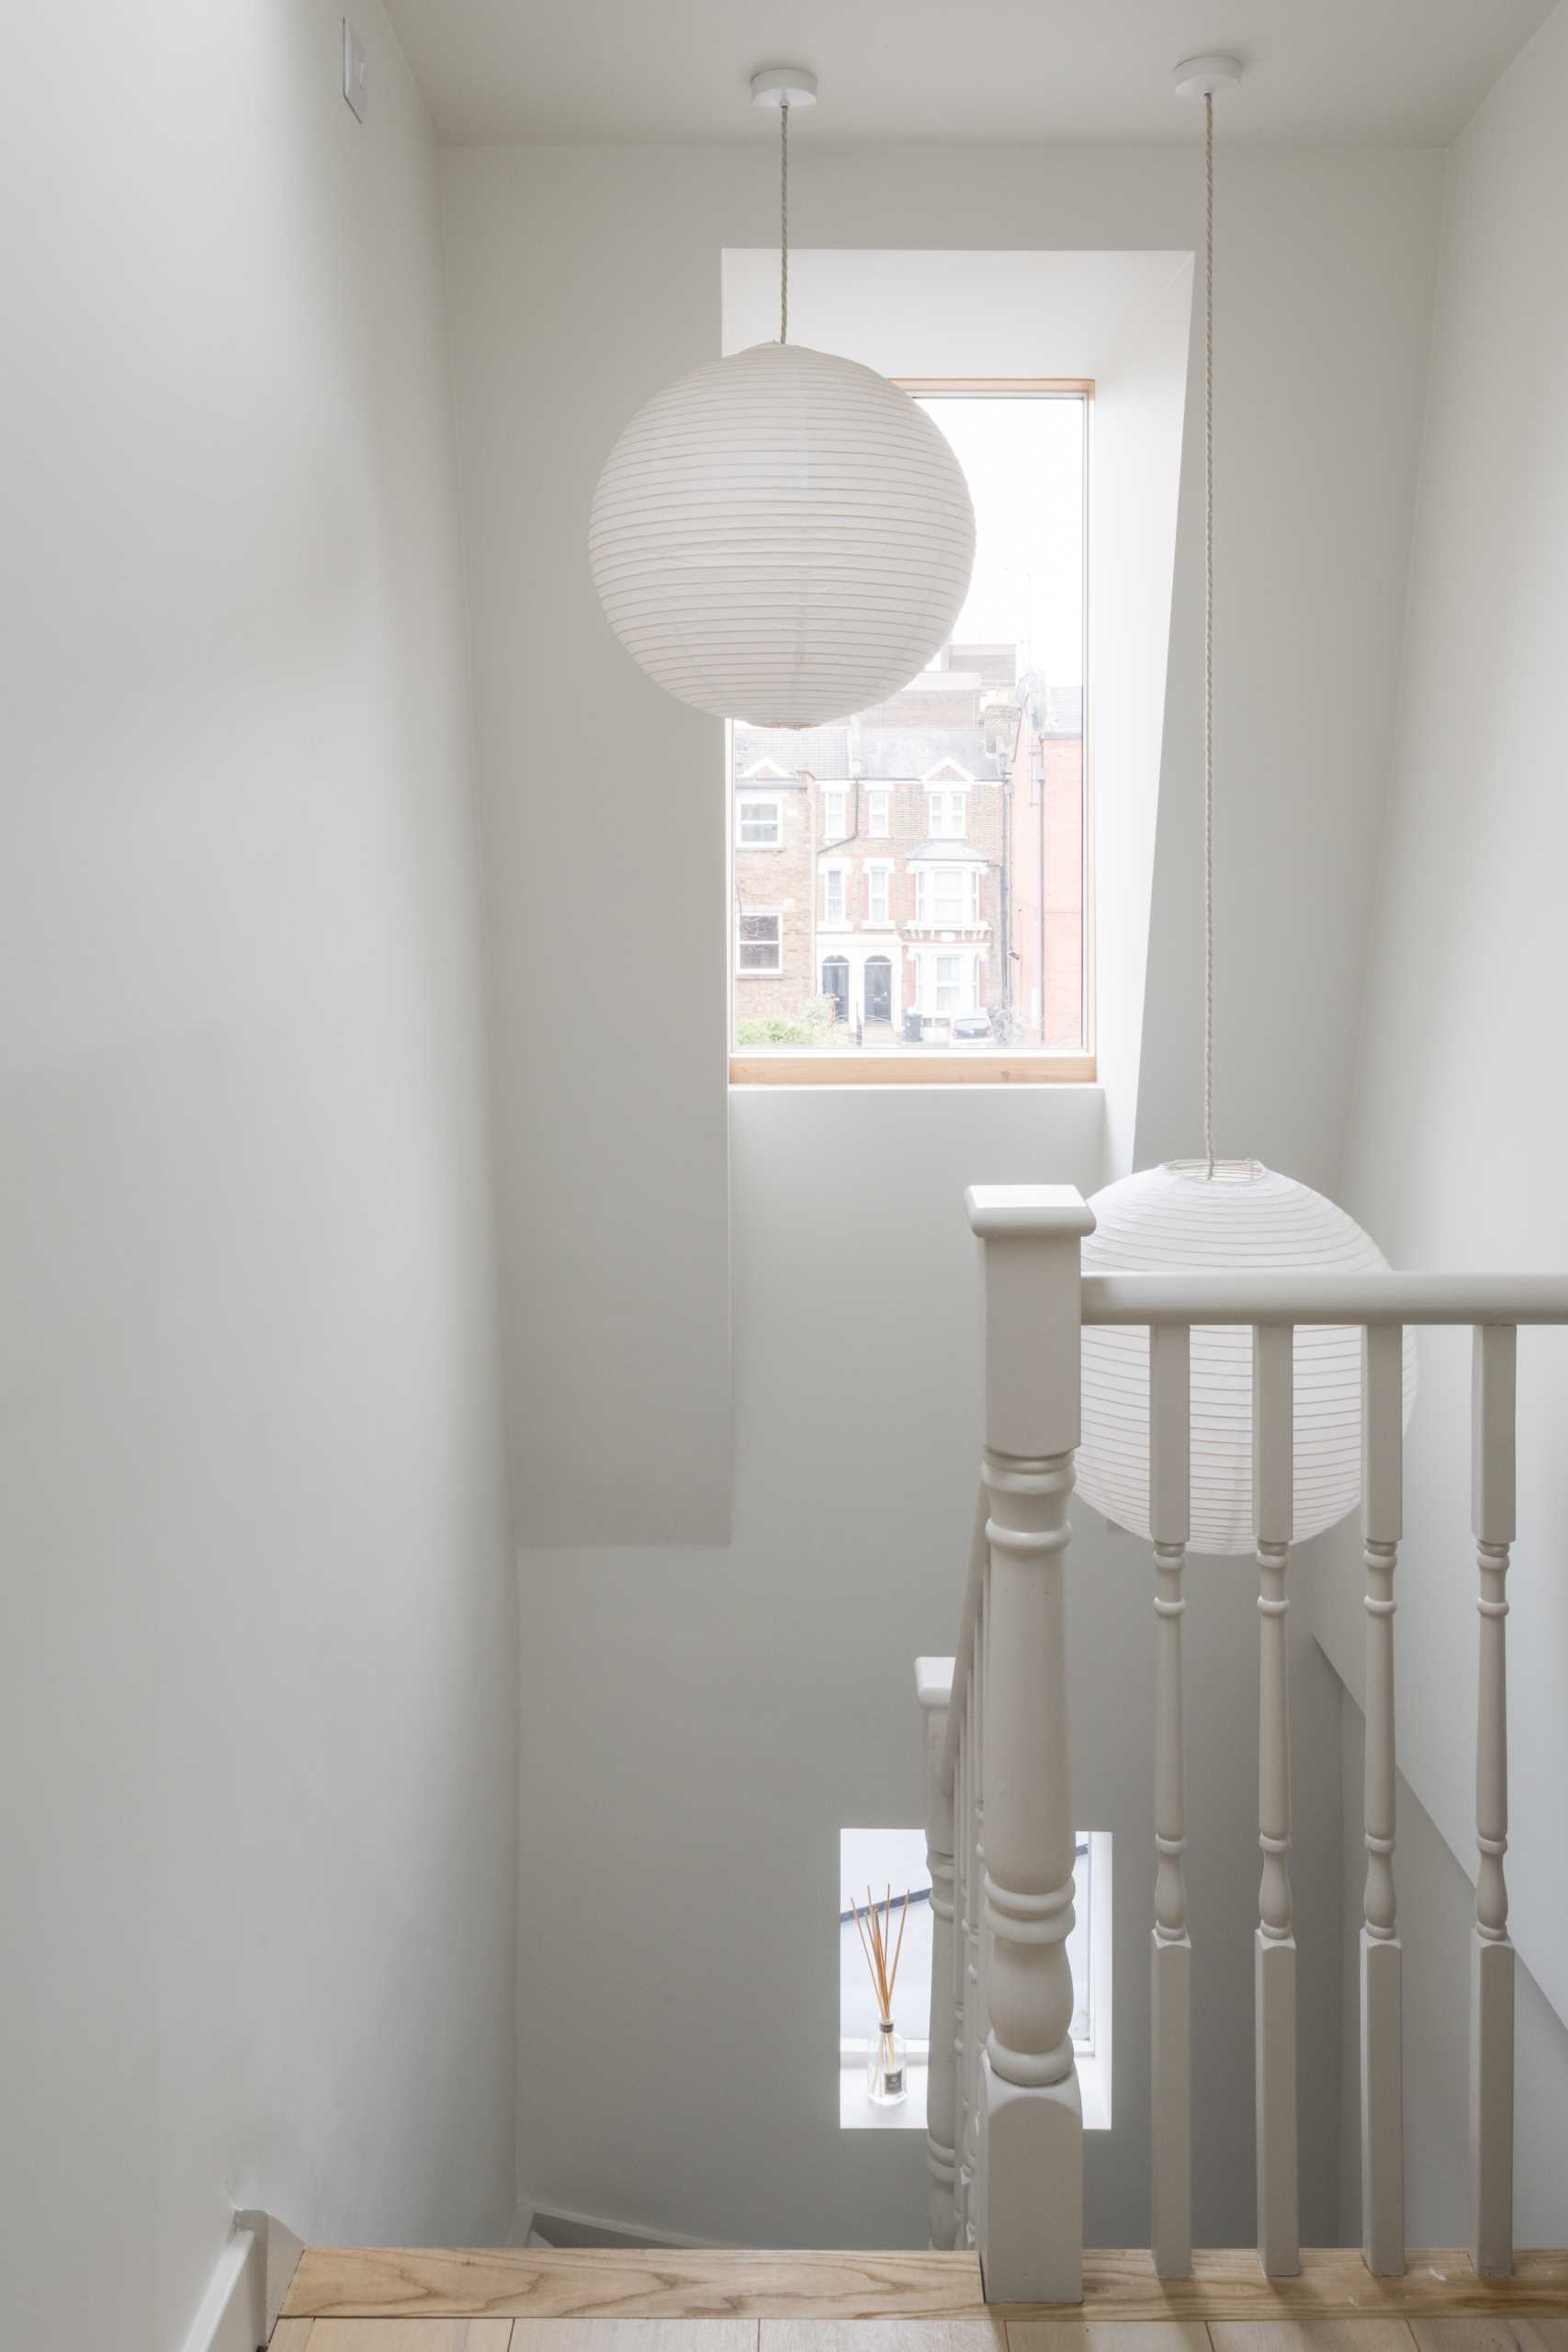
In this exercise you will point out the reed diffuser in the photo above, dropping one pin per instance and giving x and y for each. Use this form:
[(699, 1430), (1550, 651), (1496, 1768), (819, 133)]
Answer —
[(886, 2071)]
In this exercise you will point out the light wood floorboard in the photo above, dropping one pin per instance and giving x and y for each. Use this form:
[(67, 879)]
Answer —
[(1072, 2333), (883, 2335), (1450, 2308), (580, 2282), (1335, 2283), (634, 2335), (411, 2335), (1310, 2336), (1497, 2331)]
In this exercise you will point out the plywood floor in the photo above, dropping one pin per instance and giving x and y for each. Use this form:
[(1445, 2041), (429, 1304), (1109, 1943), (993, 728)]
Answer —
[(494, 2299)]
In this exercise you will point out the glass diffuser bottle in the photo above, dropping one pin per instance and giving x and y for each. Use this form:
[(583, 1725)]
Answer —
[(886, 2065)]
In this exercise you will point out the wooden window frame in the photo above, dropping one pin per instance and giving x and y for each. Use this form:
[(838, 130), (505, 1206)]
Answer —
[(950, 1065)]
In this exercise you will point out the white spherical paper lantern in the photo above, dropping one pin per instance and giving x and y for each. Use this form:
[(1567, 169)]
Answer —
[(782, 537), (1242, 1219)]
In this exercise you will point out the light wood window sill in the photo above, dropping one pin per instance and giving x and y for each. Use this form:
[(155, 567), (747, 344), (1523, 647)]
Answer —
[(951, 1068)]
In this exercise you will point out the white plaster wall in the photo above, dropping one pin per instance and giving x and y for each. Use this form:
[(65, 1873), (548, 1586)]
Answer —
[(1458, 1126), (1436, 1913), (582, 279), (257, 1721)]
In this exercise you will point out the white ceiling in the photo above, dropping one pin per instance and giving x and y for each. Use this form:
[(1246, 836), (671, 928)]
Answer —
[(1403, 73)]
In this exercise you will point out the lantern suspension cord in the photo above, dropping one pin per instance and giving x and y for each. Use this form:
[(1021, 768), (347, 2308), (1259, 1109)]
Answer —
[(783, 221), (1208, 630)]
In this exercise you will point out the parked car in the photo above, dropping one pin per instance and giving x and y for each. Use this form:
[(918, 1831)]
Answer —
[(972, 1029)]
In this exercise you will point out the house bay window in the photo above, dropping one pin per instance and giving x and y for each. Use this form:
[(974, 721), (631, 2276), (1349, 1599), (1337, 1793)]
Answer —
[(947, 897), (947, 982)]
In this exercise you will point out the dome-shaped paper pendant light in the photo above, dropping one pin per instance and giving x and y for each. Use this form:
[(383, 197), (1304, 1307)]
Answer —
[(1207, 1214), (782, 537)]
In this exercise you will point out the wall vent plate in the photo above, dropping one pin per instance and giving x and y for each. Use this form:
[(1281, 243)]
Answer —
[(356, 73)]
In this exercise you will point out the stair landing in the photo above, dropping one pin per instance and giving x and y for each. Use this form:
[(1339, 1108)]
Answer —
[(366, 2299)]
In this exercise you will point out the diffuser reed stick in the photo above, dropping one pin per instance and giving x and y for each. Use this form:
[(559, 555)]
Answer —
[(885, 2069)]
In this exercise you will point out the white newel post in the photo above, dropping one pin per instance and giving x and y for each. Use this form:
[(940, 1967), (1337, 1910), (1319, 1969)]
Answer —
[(1383, 2114), (1274, 1978), (1031, 2235), (1492, 1968), (933, 1688), (1170, 1965)]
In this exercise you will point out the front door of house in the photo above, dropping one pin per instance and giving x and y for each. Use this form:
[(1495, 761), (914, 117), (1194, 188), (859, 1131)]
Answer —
[(878, 988), (836, 984)]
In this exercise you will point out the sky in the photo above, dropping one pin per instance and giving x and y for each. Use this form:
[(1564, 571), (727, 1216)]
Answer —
[(1024, 463)]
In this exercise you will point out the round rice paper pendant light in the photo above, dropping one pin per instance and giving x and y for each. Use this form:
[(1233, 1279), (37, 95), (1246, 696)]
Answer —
[(1240, 1218), (1208, 1214), (782, 537)]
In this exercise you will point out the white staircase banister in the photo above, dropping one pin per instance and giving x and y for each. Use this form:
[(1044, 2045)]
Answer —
[(1005, 2125)]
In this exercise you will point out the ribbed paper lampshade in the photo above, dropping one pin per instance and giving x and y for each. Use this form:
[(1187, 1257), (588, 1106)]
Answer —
[(782, 537), (1176, 1219)]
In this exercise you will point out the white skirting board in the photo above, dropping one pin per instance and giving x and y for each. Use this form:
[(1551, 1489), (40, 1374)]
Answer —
[(245, 2292), (232, 2317)]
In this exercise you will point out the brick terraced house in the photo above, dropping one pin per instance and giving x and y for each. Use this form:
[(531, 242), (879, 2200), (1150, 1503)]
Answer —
[(915, 867)]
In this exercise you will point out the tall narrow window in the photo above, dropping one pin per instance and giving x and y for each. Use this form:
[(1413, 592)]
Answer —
[(969, 781)]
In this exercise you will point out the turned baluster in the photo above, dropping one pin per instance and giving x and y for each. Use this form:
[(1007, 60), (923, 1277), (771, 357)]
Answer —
[(1171, 1959), (1382, 2125), (1492, 1967), (1274, 1967)]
